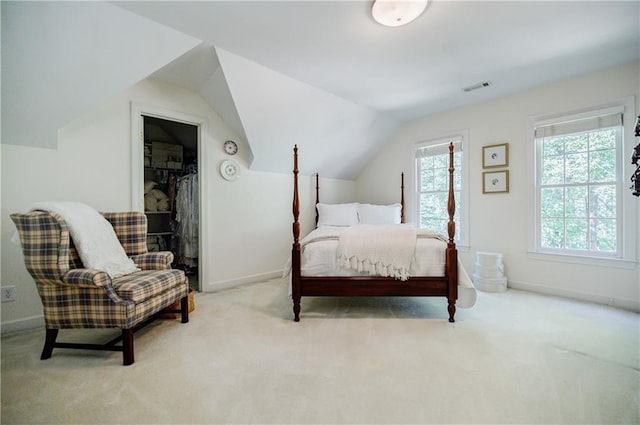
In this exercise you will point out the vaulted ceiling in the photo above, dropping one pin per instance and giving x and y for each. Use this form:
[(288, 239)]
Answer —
[(321, 74)]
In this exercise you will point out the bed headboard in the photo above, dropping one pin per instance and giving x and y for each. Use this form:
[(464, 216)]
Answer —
[(402, 220)]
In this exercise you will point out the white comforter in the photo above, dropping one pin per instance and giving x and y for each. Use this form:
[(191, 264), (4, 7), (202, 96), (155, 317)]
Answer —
[(319, 258)]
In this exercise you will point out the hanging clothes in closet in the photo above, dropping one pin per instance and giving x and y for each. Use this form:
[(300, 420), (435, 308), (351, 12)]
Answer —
[(187, 208)]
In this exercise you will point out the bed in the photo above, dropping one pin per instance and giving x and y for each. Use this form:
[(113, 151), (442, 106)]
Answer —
[(307, 282)]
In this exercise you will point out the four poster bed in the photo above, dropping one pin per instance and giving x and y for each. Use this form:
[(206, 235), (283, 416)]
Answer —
[(442, 281)]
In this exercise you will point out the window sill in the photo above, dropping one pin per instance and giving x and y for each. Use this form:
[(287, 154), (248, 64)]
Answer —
[(590, 261)]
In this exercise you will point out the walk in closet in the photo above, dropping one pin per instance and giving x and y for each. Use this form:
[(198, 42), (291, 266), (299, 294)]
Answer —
[(171, 195)]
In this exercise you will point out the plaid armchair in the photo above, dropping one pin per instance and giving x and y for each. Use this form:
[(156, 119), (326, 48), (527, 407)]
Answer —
[(75, 297)]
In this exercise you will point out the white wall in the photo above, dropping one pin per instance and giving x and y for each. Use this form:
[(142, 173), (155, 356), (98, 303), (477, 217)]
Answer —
[(45, 51), (499, 223), (250, 219)]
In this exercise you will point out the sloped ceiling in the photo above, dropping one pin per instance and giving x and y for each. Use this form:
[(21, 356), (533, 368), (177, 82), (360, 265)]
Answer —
[(320, 74), (336, 136), (325, 76), (60, 59), (272, 112), (199, 70)]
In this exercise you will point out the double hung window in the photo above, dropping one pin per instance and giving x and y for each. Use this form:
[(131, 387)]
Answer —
[(432, 172), (578, 184)]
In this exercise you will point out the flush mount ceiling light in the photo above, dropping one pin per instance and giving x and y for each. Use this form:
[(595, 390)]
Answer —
[(393, 13)]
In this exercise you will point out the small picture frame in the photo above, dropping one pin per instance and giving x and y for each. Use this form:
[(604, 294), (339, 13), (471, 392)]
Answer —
[(495, 155), (495, 181)]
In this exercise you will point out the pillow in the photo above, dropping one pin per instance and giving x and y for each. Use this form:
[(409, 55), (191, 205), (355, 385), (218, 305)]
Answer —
[(379, 214), (337, 214), (157, 194), (148, 185)]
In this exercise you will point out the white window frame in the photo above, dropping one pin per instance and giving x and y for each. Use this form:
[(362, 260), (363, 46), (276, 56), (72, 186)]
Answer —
[(462, 229), (626, 219)]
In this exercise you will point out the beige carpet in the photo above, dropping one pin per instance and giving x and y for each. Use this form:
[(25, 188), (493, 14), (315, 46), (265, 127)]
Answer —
[(514, 358)]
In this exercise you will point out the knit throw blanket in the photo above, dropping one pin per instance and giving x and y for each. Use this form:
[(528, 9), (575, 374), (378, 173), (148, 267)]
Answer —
[(382, 250), (93, 236)]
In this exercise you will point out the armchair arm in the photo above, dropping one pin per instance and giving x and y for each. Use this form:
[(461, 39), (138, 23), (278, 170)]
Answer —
[(154, 260), (86, 278)]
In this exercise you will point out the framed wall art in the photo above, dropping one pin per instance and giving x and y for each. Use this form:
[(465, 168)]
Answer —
[(495, 155), (495, 181)]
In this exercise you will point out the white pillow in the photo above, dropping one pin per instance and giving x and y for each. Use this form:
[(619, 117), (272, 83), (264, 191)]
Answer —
[(337, 214), (379, 214)]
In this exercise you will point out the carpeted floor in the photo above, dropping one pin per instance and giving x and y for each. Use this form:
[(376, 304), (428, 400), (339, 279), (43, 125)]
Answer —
[(514, 358)]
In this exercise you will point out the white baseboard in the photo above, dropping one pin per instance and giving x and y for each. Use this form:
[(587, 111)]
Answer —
[(232, 283), (622, 303), (25, 324)]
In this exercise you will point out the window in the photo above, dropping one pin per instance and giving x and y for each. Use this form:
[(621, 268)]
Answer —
[(578, 180), (432, 183)]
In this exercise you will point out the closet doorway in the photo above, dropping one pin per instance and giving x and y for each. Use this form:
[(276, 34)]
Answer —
[(168, 184)]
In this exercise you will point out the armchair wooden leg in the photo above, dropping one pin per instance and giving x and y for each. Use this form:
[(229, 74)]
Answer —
[(184, 309), (50, 340), (127, 347)]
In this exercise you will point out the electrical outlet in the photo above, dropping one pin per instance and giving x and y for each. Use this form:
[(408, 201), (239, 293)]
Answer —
[(8, 293)]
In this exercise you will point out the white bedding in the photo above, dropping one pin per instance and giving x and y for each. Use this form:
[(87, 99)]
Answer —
[(319, 258), (318, 254), (381, 250)]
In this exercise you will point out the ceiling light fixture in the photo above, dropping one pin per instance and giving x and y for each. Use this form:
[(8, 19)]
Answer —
[(393, 13)]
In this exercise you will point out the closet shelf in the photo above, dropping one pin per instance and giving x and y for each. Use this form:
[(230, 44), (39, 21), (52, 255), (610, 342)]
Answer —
[(157, 212), (159, 233), (176, 169)]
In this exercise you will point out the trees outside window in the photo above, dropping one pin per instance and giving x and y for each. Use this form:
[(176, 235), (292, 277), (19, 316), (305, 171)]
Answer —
[(578, 185), (432, 171)]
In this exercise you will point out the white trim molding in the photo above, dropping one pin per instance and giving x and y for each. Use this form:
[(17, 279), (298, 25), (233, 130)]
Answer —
[(24, 324), (622, 303), (137, 168), (232, 283)]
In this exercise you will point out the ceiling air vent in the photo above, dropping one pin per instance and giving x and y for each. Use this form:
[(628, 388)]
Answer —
[(477, 86)]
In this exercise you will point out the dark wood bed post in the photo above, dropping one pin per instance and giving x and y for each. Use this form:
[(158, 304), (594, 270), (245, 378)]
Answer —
[(295, 251), (451, 251), (317, 196), (402, 197)]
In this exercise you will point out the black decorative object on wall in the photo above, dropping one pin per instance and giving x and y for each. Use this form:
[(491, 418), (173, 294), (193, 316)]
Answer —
[(635, 158)]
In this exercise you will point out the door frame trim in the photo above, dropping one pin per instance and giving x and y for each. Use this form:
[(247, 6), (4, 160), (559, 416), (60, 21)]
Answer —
[(138, 111)]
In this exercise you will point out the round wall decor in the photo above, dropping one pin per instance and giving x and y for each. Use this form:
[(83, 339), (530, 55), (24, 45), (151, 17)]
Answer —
[(229, 170), (230, 147)]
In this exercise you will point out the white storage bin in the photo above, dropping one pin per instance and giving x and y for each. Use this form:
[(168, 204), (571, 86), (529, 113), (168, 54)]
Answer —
[(490, 285), (489, 259), (489, 272)]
